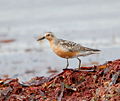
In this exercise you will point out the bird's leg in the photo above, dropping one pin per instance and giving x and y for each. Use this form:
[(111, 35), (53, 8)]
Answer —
[(80, 67), (67, 64), (79, 62)]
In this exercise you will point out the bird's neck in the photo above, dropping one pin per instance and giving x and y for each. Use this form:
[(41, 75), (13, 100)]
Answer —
[(52, 42)]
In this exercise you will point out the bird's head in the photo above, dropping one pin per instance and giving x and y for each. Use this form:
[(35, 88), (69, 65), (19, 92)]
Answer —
[(48, 35)]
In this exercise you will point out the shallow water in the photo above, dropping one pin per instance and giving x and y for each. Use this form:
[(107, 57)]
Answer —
[(95, 24)]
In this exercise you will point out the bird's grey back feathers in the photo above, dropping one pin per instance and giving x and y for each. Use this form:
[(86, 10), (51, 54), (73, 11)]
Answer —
[(72, 46)]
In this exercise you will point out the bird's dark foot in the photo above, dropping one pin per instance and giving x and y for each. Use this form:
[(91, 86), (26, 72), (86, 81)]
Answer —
[(74, 70), (79, 67), (67, 69)]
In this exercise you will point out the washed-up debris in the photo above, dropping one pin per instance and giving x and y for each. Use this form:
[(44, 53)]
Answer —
[(70, 85), (50, 70), (28, 50), (7, 41), (30, 71), (62, 91)]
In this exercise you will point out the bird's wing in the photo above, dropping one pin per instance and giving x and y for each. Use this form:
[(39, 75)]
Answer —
[(74, 47), (70, 46)]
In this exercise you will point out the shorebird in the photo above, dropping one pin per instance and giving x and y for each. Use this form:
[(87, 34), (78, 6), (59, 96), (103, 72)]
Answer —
[(67, 49)]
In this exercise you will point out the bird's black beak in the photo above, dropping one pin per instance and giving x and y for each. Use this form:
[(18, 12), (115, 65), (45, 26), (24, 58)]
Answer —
[(41, 38)]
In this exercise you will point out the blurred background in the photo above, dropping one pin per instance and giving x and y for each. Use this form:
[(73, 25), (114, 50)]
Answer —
[(93, 23)]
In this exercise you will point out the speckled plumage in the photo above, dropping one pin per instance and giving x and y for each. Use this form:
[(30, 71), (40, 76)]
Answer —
[(74, 47), (67, 49)]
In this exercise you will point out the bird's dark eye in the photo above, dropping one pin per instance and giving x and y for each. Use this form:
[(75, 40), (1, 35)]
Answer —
[(48, 35)]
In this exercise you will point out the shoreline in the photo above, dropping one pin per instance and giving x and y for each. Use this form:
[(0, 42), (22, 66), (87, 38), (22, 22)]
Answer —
[(72, 84)]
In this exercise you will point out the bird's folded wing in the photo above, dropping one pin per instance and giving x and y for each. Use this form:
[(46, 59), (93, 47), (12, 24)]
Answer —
[(74, 47), (70, 46)]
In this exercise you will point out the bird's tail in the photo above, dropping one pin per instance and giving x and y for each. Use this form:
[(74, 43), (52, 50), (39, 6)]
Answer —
[(89, 51), (95, 51), (92, 51)]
